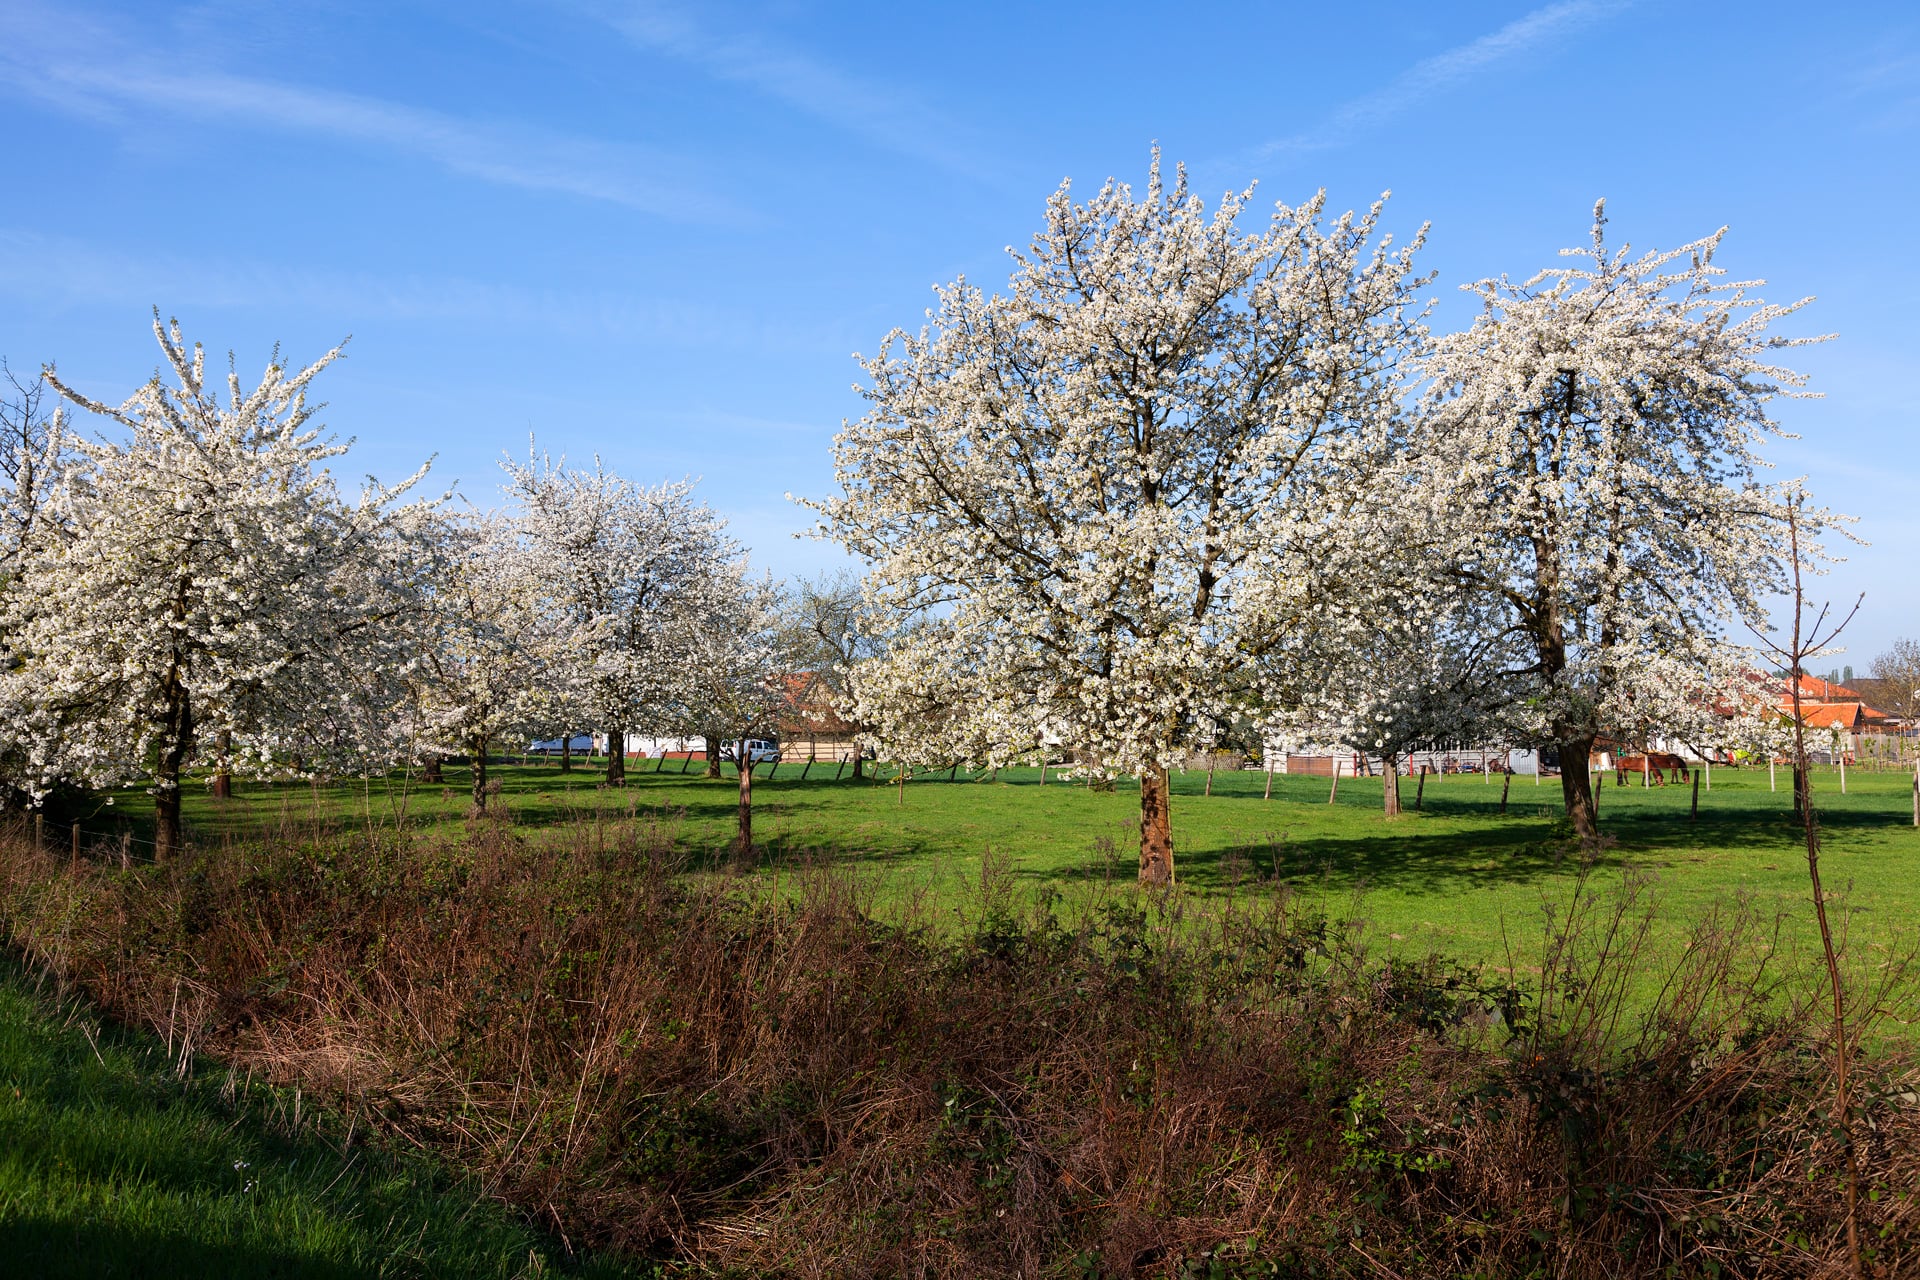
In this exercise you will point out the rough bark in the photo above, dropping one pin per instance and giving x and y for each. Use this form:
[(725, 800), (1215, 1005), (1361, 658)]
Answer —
[(616, 758), (743, 842), (223, 766), (1576, 786), (712, 739), (1390, 785), (566, 751), (1156, 828), (175, 748), (431, 773), (479, 755)]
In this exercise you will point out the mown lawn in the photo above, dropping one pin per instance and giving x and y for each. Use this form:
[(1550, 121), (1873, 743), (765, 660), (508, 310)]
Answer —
[(112, 1165), (1458, 877)]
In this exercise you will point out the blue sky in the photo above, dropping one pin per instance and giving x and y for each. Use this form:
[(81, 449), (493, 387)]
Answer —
[(658, 232)]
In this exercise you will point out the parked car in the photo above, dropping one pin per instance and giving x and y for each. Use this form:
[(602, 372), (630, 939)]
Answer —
[(759, 750), (582, 746)]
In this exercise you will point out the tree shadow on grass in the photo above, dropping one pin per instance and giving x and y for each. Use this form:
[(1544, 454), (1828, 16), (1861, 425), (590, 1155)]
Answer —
[(54, 1248), (1400, 857), (1493, 852)]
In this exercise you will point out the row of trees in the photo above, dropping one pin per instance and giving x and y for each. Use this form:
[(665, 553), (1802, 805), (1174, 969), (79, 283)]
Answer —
[(1181, 474), (198, 593)]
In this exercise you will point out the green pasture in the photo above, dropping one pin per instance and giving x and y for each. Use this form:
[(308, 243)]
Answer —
[(112, 1163), (1458, 877)]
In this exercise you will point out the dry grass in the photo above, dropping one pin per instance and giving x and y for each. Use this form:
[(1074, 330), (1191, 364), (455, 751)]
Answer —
[(755, 1079)]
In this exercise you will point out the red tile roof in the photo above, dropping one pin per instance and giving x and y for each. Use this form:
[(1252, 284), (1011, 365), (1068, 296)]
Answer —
[(1832, 715), (1821, 702), (1820, 690)]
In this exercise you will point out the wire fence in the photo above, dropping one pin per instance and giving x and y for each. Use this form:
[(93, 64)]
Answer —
[(80, 840)]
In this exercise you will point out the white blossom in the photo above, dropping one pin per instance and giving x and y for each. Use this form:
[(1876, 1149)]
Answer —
[(1092, 496), (1593, 441), (200, 582)]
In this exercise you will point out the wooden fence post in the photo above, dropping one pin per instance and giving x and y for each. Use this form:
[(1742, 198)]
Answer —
[(1506, 783), (39, 830), (1420, 792)]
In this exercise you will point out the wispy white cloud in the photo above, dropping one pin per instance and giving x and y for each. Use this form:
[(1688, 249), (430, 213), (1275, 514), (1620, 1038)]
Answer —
[(894, 119), (1421, 81), (79, 67), (60, 272)]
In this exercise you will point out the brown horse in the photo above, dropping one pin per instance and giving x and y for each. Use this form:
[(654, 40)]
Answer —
[(1656, 765)]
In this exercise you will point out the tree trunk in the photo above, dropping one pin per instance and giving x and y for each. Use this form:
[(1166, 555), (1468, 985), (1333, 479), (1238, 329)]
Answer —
[(1420, 791), (616, 758), (743, 843), (175, 748), (479, 755), (223, 768), (1693, 811), (713, 754), (1156, 828), (856, 764), (1390, 784), (432, 774), (566, 751), (1576, 786), (1506, 785)]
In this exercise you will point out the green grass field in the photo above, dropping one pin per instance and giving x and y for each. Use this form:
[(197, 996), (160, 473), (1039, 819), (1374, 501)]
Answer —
[(113, 1165), (1458, 877)]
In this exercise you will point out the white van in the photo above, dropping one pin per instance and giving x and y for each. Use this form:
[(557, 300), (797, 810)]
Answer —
[(759, 751)]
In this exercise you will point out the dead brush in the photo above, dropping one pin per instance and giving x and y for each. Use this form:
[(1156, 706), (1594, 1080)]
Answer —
[(762, 1076)]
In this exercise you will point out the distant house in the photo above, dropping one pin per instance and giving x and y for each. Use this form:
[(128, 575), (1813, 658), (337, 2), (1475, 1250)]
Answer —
[(810, 726), (1834, 715)]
